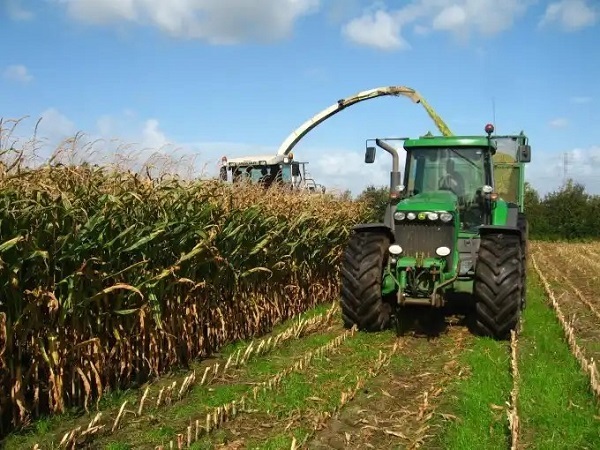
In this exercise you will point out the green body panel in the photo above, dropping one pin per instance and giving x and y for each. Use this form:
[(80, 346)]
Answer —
[(463, 286), (449, 141), (429, 201), (500, 213), (388, 285), (392, 283)]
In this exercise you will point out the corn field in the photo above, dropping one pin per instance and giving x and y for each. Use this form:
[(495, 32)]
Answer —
[(109, 278)]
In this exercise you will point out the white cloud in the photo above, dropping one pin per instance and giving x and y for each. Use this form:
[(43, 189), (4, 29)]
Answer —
[(580, 100), (216, 21), (19, 73), (547, 172), (488, 17), (571, 15), (16, 11), (382, 29), (379, 29), (153, 136), (55, 125), (559, 122), (124, 139), (342, 169)]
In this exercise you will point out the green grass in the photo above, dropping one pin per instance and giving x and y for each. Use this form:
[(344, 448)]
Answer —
[(478, 400), (556, 407), (170, 421), (325, 379)]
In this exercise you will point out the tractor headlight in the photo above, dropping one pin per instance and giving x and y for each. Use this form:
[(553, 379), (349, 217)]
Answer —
[(411, 216), (399, 215), (445, 217), (442, 251), (395, 249), (433, 216)]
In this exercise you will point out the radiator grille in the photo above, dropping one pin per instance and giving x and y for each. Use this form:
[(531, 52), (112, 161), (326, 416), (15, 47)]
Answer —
[(425, 237)]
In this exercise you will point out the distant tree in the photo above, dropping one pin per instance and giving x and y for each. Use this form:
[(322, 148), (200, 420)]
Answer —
[(567, 212), (534, 209), (377, 198), (346, 195)]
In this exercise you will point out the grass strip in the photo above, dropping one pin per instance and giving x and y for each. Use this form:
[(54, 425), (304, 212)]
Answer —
[(298, 402), (203, 399), (556, 407), (478, 400)]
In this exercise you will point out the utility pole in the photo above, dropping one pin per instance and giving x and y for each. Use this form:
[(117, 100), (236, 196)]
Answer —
[(565, 167)]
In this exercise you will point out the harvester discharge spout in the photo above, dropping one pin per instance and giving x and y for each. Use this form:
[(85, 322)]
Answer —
[(295, 136)]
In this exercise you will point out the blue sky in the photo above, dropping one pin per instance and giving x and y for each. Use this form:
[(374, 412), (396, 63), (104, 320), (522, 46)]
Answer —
[(217, 77)]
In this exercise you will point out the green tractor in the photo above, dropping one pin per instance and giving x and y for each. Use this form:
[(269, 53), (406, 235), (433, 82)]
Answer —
[(455, 225)]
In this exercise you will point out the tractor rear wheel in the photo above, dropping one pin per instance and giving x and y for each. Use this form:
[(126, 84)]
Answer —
[(363, 263), (498, 287)]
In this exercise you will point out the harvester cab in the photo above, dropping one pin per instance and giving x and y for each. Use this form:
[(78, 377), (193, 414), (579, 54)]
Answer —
[(455, 223), (269, 170)]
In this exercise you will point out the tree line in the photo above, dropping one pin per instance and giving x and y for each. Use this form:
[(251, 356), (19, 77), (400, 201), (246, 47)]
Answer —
[(569, 213)]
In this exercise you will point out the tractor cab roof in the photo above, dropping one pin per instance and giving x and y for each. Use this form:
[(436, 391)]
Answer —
[(450, 141)]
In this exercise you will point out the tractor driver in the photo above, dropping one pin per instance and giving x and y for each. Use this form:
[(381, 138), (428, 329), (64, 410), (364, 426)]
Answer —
[(452, 180)]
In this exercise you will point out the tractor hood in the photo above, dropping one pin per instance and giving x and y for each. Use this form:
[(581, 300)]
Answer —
[(429, 201)]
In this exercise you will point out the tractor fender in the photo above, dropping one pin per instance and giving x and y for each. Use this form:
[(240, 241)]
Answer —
[(374, 227), (502, 229)]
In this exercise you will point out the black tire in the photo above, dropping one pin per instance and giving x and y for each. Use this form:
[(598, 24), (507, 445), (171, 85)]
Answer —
[(362, 269), (498, 285), (523, 225)]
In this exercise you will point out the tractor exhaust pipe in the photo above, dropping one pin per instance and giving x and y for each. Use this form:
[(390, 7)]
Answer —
[(395, 174), (394, 182)]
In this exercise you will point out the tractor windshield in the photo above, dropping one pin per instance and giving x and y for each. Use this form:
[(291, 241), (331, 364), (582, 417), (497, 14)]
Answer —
[(460, 170)]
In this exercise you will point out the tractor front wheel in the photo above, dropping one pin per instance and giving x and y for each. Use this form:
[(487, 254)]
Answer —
[(362, 268), (498, 285)]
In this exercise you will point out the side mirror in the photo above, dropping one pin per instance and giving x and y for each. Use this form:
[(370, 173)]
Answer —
[(524, 153), (370, 155)]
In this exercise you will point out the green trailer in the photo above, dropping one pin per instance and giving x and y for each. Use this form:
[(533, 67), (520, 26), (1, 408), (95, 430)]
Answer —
[(455, 224)]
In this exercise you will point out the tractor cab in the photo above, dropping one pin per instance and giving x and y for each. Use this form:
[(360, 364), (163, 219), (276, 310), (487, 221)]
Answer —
[(462, 173), (453, 172)]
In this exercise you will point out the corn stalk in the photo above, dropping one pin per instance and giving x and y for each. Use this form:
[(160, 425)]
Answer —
[(109, 278)]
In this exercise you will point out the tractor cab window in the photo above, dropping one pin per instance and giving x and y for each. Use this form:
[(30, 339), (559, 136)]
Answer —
[(459, 170), (259, 173)]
